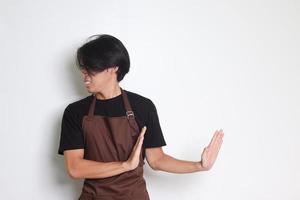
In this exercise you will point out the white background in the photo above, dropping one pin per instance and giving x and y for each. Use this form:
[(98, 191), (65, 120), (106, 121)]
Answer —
[(205, 64)]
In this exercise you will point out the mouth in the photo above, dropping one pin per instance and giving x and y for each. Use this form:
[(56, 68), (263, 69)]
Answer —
[(87, 83)]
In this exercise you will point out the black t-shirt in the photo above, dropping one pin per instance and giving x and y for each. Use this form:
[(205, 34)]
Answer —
[(144, 110)]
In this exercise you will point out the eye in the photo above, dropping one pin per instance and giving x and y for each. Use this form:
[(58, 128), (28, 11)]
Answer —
[(84, 72)]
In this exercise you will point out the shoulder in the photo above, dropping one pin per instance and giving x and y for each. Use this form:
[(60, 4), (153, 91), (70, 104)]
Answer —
[(137, 97), (139, 100), (78, 107)]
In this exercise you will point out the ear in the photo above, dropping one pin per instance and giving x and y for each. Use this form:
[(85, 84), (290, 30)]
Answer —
[(116, 68), (112, 69)]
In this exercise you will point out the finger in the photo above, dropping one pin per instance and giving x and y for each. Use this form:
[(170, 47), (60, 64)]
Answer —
[(219, 144), (139, 147), (218, 137), (140, 143), (214, 149), (140, 139), (212, 141), (141, 136), (142, 133), (221, 133), (217, 149), (215, 155)]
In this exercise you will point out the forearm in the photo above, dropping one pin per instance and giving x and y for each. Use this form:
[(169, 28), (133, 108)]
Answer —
[(169, 164), (93, 169)]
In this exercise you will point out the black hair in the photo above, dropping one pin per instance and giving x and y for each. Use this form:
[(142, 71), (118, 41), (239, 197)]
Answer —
[(102, 52)]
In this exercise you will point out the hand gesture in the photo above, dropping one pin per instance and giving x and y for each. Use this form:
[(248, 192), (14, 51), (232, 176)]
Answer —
[(134, 158), (210, 153)]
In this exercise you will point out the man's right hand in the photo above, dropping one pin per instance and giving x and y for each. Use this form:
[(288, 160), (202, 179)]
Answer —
[(134, 158)]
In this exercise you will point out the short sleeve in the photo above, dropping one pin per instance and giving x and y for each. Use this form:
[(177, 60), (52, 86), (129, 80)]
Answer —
[(153, 136), (71, 133)]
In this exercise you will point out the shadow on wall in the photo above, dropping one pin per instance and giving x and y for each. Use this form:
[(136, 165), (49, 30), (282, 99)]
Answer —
[(72, 78), (61, 176)]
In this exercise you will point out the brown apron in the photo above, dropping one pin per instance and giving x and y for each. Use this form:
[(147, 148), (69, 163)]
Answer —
[(110, 139)]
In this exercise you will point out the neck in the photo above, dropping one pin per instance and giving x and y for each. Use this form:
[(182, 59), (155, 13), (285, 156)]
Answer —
[(109, 92)]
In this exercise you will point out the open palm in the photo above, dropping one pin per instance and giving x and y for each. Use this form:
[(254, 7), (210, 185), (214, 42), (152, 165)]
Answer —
[(210, 153)]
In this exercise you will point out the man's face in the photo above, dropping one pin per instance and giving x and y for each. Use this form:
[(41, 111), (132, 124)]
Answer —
[(97, 81)]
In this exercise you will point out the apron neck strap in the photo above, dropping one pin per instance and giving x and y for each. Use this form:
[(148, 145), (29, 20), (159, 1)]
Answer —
[(127, 105), (92, 106), (129, 113)]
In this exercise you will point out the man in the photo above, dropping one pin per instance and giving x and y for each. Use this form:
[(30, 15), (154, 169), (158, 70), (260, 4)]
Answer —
[(106, 136)]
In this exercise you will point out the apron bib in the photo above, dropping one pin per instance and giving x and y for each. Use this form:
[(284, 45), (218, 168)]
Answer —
[(110, 139)]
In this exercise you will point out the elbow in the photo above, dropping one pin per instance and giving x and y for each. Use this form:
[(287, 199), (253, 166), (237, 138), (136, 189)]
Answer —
[(156, 158), (155, 165), (74, 173), (73, 163)]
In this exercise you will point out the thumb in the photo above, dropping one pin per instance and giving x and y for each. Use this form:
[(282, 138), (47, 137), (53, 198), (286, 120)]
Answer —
[(143, 131)]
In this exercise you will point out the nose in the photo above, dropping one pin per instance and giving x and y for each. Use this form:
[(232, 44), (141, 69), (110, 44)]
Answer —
[(85, 75)]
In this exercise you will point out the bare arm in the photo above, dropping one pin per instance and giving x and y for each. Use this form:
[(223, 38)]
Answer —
[(78, 167), (158, 160), (167, 163)]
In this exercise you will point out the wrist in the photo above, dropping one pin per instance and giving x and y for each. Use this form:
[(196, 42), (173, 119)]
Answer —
[(199, 166)]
